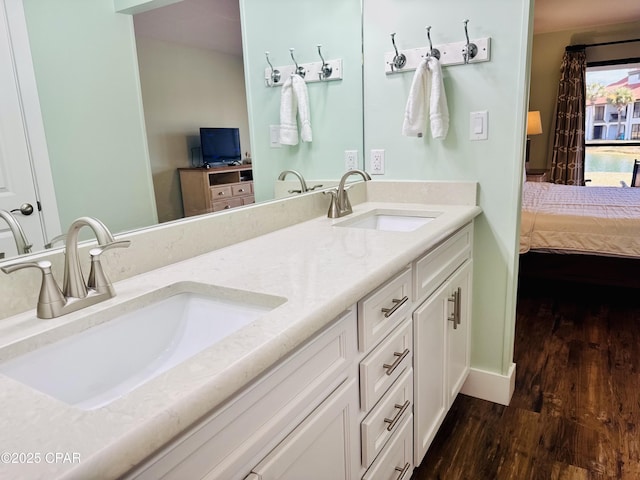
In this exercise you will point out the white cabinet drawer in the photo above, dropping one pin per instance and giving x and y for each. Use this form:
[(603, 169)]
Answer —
[(396, 462), (383, 421), (233, 438), (383, 309), (435, 267), (382, 366)]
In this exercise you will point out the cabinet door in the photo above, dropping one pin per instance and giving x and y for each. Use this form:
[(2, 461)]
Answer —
[(324, 446), (458, 330), (429, 370)]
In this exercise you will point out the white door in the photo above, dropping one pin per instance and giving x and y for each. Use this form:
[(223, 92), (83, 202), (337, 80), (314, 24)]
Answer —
[(21, 135)]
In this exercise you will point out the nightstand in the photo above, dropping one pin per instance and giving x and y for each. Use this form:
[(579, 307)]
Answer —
[(537, 176)]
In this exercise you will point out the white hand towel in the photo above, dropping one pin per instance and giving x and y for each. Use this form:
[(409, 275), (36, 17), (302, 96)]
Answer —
[(414, 113), (302, 99), (288, 110), (294, 101), (427, 83), (438, 109)]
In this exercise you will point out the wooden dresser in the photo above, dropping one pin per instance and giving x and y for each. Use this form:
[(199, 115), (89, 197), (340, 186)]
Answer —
[(206, 190)]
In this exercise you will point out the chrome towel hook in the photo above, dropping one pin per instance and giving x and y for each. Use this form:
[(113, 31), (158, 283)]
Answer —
[(299, 70), (325, 69), (470, 50), (275, 74), (434, 52), (399, 60)]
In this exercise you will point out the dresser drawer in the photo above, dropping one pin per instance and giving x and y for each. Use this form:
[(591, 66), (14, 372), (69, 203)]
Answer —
[(437, 265), (221, 192), (227, 204), (248, 200), (396, 461), (384, 364), (387, 418), (245, 188), (383, 309)]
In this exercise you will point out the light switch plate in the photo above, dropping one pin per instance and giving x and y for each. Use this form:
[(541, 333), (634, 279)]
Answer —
[(478, 126), (274, 136)]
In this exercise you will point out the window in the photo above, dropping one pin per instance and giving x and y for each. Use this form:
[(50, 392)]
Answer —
[(612, 130), (598, 132)]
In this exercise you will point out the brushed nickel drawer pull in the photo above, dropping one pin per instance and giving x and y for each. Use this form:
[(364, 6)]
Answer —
[(220, 193), (241, 190), (398, 303), (393, 421), (403, 471), (454, 316), (394, 365)]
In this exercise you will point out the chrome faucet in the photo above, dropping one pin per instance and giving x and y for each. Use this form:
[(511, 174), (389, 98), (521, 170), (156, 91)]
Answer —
[(22, 244), (303, 184), (75, 294), (340, 204)]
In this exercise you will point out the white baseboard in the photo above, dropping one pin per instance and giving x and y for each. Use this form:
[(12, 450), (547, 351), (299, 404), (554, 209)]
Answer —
[(491, 386)]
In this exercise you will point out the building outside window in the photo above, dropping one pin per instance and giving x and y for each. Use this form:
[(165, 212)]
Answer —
[(612, 120)]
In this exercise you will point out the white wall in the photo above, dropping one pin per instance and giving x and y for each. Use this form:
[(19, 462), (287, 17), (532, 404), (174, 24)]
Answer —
[(183, 89)]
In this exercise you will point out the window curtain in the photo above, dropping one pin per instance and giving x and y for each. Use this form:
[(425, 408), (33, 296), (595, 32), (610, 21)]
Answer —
[(567, 155)]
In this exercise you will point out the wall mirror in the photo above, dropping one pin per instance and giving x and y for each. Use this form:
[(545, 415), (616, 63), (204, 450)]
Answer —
[(122, 107)]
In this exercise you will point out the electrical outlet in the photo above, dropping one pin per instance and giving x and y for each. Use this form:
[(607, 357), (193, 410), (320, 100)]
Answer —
[(350, 159), (376, 166)]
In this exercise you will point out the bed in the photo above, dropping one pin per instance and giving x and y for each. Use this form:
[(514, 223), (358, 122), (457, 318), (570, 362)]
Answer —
[(598, 226)]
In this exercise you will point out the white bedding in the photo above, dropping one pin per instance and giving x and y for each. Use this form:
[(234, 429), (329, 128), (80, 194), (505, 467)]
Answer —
[(590, 220)]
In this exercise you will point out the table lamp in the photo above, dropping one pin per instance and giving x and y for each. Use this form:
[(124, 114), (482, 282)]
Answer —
[(534, 127)]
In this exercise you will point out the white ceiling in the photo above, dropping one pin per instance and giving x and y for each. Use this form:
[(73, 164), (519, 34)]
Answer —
[(557, 15), (215, 24)]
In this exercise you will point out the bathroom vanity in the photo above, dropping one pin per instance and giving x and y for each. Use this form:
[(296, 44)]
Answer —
[(349, 377)]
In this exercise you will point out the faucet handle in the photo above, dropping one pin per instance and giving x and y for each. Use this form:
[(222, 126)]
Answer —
[(50, 298), (333, 206), (97, 278)]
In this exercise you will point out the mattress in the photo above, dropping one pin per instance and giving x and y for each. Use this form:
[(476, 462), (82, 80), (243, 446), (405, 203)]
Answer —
[(588, 220)]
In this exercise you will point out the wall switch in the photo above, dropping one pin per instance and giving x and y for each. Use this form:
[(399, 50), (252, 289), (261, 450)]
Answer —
[(350, 159), (478, 128), (274, 136), (376, 165)]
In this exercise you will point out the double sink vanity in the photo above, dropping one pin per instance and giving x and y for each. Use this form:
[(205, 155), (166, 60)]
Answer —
[(327, 348)]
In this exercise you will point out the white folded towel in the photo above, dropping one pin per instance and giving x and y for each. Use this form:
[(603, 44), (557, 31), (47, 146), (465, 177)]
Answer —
[(294, 101), (427, 83)]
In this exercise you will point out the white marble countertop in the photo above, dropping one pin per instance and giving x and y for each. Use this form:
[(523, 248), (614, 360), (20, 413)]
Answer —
[(320, 269)]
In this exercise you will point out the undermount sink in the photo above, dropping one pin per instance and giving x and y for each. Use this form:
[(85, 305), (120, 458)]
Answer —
[(391, 220), (100, 364)]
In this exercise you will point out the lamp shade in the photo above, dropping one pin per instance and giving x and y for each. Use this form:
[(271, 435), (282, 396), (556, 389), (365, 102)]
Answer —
[(534, 124)]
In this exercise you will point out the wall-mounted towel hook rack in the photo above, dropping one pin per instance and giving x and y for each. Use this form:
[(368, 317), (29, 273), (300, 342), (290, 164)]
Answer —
[(275, 74), (325, 69), (434, 52), (470, 50), (399, 60), (299, 70)]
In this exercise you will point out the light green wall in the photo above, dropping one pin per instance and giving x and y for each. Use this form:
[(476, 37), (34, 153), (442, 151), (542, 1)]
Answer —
[(498, 86), (548, 49), (86, 72), (336, 107), (183, 89)]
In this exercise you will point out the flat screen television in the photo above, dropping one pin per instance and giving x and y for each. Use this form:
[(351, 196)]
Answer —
[(220, 146)]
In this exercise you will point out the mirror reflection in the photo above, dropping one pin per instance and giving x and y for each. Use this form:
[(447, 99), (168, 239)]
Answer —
[(122, 107)]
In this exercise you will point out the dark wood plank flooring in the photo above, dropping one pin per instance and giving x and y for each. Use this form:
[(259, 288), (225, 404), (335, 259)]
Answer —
[(575, 412)]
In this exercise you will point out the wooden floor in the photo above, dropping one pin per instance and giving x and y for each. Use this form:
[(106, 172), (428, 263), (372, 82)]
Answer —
[(575, 413)]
